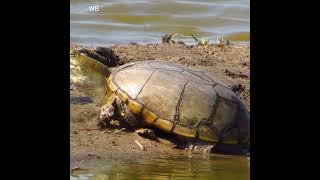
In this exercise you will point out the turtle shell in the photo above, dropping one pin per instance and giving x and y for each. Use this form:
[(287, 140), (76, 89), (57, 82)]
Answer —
[(182, 101)]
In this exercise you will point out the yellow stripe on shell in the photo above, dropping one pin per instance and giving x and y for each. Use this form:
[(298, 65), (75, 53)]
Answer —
[(134, 106), (164, 125), (123, 96), (148, 116), (112, 86), (207, 134), (184, 131), (229, 141), (109, 79), (206, 138)]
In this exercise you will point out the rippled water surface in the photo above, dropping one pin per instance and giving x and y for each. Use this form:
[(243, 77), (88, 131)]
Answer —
[(197, 167), (123, 21)]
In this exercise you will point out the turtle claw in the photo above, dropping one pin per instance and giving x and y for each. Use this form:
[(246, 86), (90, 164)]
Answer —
[(203, 149), (107, 111)]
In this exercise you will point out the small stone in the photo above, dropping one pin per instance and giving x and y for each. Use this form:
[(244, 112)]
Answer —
[(114, 143)]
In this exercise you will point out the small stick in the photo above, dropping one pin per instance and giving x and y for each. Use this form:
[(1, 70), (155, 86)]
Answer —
[(168, 38), (89, 129), (140, 145), (118, 130), (235, 74), (76, 169), (195, 39)]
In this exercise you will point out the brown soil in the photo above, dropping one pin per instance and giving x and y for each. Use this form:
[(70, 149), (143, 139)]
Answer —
[(89, 144)]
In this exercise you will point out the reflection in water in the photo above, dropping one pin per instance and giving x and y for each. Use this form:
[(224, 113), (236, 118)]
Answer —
[(123, 21), (198, 167)]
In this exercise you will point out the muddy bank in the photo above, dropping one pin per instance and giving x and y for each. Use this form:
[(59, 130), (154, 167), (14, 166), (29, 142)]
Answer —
[(89, 144)]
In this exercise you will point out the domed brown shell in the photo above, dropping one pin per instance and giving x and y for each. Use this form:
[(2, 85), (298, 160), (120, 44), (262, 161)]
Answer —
[(183, 101)]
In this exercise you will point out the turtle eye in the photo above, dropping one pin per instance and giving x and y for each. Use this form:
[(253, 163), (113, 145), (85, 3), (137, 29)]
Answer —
[(72, 54)]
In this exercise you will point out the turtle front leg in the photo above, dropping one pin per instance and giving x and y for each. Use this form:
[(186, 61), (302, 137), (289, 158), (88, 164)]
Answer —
[(108, 110), (115, 109)]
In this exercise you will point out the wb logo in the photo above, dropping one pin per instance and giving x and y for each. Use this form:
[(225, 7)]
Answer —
[(93, 8)]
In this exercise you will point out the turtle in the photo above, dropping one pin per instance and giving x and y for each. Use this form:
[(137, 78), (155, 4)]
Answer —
[(185, 103)]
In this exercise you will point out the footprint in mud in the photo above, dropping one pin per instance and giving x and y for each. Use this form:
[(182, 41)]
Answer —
[(80, 100)]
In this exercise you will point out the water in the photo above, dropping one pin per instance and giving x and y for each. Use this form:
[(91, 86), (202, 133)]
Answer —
[(181, 167), (144, 21)]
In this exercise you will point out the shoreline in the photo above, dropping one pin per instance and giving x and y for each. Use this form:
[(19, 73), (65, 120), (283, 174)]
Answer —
[(93, 45)]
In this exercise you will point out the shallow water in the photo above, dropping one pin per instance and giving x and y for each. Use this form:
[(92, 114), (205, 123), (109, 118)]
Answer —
[(181, 167), (144, 21)]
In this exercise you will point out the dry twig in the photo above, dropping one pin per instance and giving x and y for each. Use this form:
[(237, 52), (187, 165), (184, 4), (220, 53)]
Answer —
[(140, 145), (236, 74)]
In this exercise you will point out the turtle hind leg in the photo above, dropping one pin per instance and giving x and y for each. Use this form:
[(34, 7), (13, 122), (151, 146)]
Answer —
[(196, 147), (218, 148), (193, 145), (200, 148)]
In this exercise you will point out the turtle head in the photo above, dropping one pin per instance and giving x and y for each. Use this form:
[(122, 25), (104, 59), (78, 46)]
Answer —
[(100, 60), (89, 74), (72, 53), (75, 55), (88, 65)]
